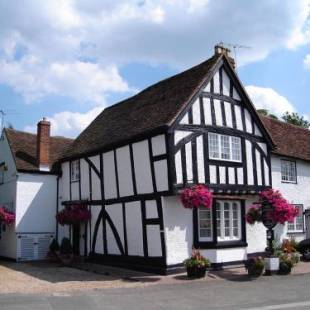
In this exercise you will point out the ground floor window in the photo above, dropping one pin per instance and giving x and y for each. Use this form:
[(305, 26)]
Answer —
[(222, 224), (298, 224)]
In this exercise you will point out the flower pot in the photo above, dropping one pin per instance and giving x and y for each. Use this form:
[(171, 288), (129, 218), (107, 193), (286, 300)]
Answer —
[(255, 272), (196, 272), (284, 268)]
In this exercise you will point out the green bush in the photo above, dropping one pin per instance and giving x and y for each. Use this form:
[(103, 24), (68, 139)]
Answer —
[(66, 247), (54, 246)]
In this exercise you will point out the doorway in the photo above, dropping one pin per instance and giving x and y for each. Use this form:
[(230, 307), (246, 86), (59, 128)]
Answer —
[(76, 239)]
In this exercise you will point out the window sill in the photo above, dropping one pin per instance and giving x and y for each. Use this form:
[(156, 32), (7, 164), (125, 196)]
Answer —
[(289, 182), (296, 232), (74, 181), (221, 245)]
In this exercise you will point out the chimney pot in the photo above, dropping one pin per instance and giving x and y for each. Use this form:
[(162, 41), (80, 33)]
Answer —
[(219, 49), (43, 144)]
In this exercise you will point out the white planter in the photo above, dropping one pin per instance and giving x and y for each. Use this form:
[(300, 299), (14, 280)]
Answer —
[(272, 265)]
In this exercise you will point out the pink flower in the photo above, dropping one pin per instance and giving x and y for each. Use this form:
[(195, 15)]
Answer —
[(73, 214), (6, 216), (196, 196)]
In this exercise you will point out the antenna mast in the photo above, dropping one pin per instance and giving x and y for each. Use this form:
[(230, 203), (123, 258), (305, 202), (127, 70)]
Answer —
[(235, 47)]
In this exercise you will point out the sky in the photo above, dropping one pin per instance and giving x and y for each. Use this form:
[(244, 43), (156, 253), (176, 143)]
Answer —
[(69, 59)]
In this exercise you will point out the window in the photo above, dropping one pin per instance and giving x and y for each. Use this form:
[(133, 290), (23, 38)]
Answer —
[(288, 171), (227, 219), (205, 224), (224, 147), (298, 224), (75, 170), (2, 174)]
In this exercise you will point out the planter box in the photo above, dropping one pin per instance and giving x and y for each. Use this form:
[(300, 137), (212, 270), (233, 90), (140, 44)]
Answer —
[(272, 265)]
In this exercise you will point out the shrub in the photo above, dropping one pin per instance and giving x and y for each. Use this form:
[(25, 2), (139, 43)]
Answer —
[(255, 266), (66, 248), (54, 246)]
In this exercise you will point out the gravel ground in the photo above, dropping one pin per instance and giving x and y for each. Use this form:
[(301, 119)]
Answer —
[(47, 278)]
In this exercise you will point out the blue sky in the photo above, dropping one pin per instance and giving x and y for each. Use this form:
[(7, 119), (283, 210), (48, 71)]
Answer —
[(67, 60)]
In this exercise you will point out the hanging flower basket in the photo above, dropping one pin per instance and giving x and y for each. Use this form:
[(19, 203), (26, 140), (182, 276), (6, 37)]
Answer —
[(73, 214), (6, 216), (280, 210), (196, 196)]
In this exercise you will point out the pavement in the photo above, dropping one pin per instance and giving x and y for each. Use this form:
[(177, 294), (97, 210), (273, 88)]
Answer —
[(265, 293)]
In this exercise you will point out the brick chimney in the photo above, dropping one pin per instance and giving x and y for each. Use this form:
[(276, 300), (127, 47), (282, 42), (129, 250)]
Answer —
[(43, 145), (220, 49)]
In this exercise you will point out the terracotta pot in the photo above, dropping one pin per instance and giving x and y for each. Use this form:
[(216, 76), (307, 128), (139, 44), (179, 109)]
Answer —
[(196, 272)]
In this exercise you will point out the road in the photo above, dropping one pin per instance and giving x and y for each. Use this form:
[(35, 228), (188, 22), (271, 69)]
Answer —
[(266, 293)]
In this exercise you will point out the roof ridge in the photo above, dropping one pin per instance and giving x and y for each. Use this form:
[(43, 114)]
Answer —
[(285, 123), (34, 134)]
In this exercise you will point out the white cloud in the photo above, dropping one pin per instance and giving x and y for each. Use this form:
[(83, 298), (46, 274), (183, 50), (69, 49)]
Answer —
[(70, 124), (81, 81), (307, 61), (269, 99)]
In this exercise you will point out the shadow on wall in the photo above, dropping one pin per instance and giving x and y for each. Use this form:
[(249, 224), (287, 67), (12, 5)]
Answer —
[(36, 203)]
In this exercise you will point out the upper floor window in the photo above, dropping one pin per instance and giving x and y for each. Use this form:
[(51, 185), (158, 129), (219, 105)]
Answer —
[(288, 171), (298, 224), (224, 147), (75, 170)]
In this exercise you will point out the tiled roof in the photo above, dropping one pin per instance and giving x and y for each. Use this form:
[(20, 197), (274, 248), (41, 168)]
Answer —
[(153, 108), (290, 140), (24, 149)]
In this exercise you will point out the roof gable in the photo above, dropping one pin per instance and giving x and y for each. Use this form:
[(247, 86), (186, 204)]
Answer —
[(225, 85), (153, 109)]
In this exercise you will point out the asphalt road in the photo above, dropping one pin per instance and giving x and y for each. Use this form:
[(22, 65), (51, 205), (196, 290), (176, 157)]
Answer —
[(266, 293)]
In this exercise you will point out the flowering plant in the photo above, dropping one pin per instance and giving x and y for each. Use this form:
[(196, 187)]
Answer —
[(197, 260), (73, 214), (196, 196), (280, 212), (6, 216), (255, 266)]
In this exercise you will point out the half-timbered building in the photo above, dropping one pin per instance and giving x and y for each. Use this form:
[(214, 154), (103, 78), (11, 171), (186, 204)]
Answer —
[(130, 164)]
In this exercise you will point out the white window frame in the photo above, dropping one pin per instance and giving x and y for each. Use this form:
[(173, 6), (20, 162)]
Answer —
[(293, 173), (221, 222), (205, 239), (75, 171), (219, 138), (291, 230)]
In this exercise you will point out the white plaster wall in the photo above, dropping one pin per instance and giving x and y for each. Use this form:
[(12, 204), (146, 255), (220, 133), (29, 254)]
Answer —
[(207, 111), (196, 112), (200, 160), (65, 189), (226, 83), (36, 203), (153, 240), (159, 145), (94, 216), (142, 167), (124, 171), (109, 176), (8, 242), (134, 228), (96, 189), (151, 209), (75, 190), (84, 175), (178, 225), (116, 213), (161, 175), (218, 112), (294, 193)]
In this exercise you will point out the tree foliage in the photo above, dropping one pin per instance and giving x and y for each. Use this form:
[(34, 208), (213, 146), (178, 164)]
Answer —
[(295, 119), (266, 112)]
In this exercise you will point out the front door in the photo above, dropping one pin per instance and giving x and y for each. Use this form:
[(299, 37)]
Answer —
[(76, 239)]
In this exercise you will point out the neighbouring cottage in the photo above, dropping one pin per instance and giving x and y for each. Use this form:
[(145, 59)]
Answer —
[(130, 164), (29, 174)]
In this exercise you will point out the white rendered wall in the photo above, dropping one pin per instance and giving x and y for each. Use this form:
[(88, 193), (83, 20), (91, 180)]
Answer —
[(294, 193), (178, 223), (36, 203), (8, 199)]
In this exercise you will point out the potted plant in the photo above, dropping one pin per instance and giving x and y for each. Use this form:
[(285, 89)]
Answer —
[(255, 266), (66, 252), (54, 250), (287, 262), (196, 265)]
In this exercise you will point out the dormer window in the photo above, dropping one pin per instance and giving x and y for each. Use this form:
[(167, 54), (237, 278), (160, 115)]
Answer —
[(223, 147), (75, 170)]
